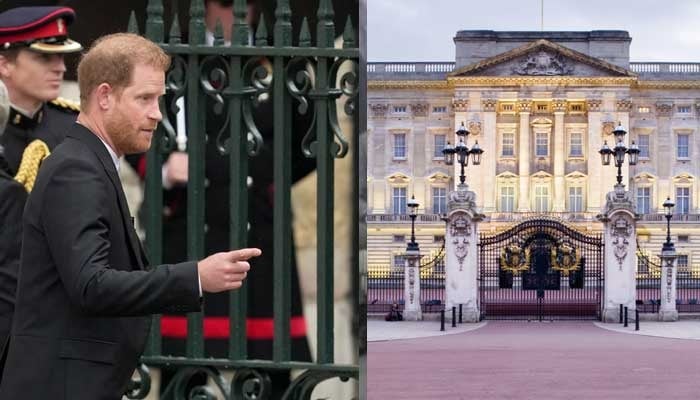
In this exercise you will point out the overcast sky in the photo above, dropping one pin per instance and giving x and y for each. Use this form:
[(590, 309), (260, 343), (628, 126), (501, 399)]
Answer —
[(423, 30)]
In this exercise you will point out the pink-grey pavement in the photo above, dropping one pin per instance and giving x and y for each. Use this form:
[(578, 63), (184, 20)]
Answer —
[(544, 361)]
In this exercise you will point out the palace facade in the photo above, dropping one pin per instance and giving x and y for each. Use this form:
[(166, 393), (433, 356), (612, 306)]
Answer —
[(540, 105)]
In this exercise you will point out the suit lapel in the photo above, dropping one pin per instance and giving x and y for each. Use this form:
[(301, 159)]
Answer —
[(95, 144)]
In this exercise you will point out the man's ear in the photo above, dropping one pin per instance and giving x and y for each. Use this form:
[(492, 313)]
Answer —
[(104, 96), (5, 66)]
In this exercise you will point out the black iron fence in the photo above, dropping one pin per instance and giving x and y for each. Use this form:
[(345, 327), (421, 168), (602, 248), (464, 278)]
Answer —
[(648, 276)]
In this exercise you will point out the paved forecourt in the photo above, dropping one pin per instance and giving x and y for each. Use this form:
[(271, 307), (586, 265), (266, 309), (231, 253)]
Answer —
[(521, 360)]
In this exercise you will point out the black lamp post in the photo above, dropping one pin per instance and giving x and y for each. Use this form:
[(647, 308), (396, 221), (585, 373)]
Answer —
[(413, 205), (619, 152), (462, 152), (668, 206)]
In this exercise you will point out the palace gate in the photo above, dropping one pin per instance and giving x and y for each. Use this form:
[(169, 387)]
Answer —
[(540, 269)]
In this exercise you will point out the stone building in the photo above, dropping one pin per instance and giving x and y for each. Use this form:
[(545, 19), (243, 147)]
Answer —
[(540, 105)]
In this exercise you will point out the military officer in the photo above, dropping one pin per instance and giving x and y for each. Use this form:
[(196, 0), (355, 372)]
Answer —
[(33, 41)]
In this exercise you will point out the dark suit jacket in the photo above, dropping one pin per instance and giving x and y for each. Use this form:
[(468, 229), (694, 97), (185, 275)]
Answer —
[(12, 199), (84, 296)]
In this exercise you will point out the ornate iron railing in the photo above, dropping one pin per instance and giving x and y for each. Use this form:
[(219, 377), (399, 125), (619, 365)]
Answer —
[(237, 77)]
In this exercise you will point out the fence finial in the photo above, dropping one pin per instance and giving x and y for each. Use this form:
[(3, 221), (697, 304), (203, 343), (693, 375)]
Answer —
[(325, 29), (239, 30), (261, 34), (305, 34), (154, 21), (133, 24), (175, 31), (348, 34), (197, 27), (283, 24)]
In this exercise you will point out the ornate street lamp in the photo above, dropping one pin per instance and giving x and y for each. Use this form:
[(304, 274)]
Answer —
[(413, 206), (462, 151), (619, 151), (668, 206)]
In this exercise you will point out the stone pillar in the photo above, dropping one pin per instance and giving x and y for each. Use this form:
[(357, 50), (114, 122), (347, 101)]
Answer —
[(524, 107), (461, 254), (667, 309), (595, 141), (619, 236), (412, 310), (487, 138), (559, 155)]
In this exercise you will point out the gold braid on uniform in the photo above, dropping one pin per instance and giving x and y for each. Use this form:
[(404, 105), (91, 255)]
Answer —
[(32, 157)]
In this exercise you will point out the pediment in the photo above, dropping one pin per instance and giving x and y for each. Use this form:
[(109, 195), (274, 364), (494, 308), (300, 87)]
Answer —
[(542, 58), (398, 178)]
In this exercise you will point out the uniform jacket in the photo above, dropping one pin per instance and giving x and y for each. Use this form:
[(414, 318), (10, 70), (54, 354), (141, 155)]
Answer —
[(84, 296), (12, 198)]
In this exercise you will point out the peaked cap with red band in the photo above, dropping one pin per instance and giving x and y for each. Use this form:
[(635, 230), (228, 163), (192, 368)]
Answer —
[(41, 29)]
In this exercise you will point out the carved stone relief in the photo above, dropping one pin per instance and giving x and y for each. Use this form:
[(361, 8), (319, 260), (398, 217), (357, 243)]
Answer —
[(474, 127), (664, 109), (623, 105), (489, 105), (524, 106), (543, 63), (608, 128), (379, 110), (593, 104), (461, 230), (620, 229), (559, 105), (460, 105), (419, 109)]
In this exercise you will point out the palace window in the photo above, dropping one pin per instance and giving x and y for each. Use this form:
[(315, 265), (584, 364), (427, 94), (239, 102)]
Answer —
[(683, 146), (399, 239), (643, 143), (399, 262), (643, 200), (438, 145), (400, 146), (643, 110), (682, 200), (577, 107), (440, 109), (683, 264), (683, 109), (439, 200), (508, 144), (507, 201), (576, 145), (541, 144), (576, 199), (398, 200), (400, 109), (541, 198)]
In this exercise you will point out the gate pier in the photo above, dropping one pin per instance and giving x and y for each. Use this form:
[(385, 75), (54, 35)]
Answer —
[(619, 233), (461, 255)]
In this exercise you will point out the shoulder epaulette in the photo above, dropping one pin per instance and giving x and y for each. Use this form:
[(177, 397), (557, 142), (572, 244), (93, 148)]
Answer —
[(65, 104)]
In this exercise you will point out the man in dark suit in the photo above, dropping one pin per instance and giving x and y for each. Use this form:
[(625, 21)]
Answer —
[(84, 295)]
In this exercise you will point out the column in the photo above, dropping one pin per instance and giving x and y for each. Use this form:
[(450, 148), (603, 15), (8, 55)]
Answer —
[(487, 170), (524, 107), (619, 235), (559, 106), (412, 310), (594, 143), (667, 309)]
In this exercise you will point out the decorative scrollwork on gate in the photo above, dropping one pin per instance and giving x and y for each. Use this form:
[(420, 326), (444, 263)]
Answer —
[(515, 259), (565, 258)]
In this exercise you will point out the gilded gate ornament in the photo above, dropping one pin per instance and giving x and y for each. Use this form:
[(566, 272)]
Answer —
[(565, 258), (515, 259)]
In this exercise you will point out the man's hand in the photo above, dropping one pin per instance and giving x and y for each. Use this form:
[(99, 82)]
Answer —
[(175, 169), (225, 271)]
